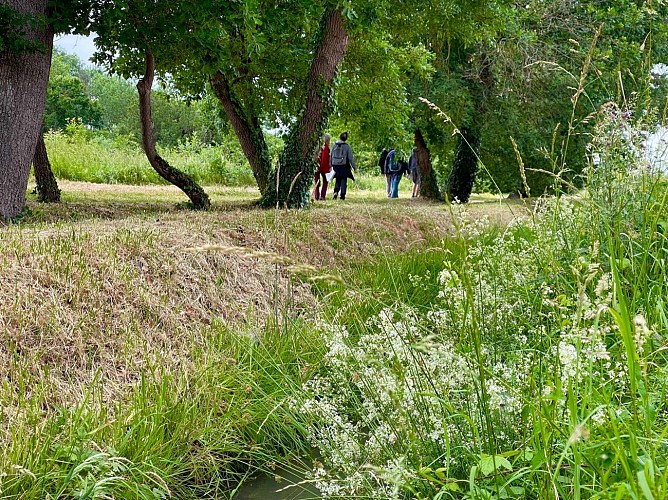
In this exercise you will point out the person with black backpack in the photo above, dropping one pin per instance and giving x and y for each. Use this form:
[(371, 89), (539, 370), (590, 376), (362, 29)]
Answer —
[(381, 164), (395, 168), (343, 163)]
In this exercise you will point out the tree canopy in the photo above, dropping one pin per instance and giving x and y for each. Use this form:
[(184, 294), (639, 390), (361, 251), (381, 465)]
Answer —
[(505, 72)]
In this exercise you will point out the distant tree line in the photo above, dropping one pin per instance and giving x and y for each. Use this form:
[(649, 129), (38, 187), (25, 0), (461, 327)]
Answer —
[(109, 104)]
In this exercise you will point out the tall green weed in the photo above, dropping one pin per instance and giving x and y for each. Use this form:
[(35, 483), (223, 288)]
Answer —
[(191, 433), (80, 154), (538, 367)]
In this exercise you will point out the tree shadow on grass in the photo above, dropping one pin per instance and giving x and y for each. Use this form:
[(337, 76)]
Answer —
[(79, 211), (86, 202)]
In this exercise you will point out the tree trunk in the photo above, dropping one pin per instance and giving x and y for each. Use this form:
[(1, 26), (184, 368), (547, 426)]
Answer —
[(465, 165), (464, 168), (428, 185), (248, 130), (47, 186), (183, 181), (23, 82), (291, 182)]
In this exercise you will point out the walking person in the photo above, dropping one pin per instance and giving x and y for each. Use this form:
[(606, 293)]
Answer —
[(396, 168), (381, 164), (320, 191), (342, 161), (414, 173)]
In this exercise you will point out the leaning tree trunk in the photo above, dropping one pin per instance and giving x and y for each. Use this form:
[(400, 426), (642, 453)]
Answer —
[(183, 181), (290, 183), (248, 131), (428, 185), (47, 186), (23, 81)]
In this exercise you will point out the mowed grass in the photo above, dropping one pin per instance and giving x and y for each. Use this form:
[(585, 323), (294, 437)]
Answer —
[(83, 200), (137, 363)]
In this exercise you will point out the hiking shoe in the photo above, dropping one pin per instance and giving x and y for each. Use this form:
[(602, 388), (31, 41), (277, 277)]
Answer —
[(336, 195)]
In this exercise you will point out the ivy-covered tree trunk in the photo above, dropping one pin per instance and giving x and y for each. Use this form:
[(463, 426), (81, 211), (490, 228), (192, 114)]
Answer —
[(23, 81), (428, 185), (248, 131), (183, 181), (291, 181), (464, 167), (47, 186)]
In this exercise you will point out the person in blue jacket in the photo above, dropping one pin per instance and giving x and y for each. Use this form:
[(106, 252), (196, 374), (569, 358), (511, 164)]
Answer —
[(396, 168)]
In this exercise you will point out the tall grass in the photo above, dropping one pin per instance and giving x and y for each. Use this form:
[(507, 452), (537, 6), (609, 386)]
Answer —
[(528, 362), (118, 379), (82, 155), (180, 435)]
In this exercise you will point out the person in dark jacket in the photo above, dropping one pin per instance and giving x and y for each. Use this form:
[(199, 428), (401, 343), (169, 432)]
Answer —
[(414, 173), (342, 161), (321, 183), (383, 171)]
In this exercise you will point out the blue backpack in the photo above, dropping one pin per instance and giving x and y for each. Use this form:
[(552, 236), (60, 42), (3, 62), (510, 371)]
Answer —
[(392, 163)]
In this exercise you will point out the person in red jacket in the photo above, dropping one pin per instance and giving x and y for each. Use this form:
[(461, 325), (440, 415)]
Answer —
[(320, 178)]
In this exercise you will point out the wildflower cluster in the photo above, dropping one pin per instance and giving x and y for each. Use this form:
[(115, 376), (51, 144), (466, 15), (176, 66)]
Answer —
[(390, 388), (622, 176), (525, 352)]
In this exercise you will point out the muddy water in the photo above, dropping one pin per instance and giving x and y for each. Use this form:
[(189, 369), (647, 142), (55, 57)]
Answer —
[(266, 487)]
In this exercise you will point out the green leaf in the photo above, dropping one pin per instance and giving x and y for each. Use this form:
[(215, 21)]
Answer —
[(644, 477), (623, 264), (644, 486), (453, 486), (424, 471), (491, 463)]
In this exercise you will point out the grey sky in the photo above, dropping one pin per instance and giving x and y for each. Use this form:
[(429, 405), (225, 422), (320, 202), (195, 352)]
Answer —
[(81, 46)]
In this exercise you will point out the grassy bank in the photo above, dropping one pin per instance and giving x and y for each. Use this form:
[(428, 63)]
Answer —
[(138, 362)]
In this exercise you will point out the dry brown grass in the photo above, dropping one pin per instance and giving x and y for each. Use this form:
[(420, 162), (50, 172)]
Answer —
[(108, 282)]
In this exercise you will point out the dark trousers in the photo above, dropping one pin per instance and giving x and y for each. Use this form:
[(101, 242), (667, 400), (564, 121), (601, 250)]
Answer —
[(320, 190), (341, 185)]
